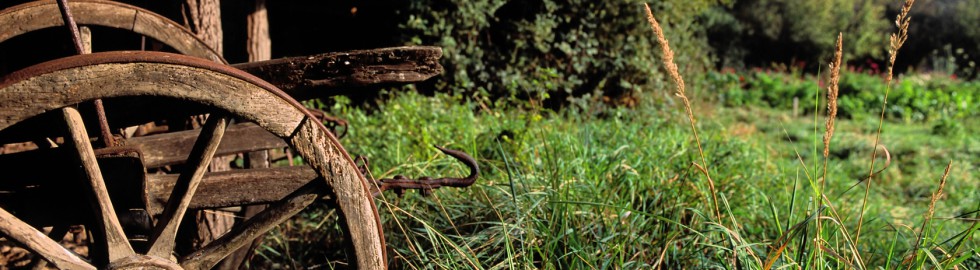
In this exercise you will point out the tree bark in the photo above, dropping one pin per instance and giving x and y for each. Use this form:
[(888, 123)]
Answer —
[(259, 44), (204, 18)]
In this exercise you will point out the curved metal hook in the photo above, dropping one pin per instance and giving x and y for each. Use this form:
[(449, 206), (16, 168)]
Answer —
[(399, 183)]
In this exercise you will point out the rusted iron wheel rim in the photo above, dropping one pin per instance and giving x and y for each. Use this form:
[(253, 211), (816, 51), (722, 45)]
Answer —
[(60, 84)]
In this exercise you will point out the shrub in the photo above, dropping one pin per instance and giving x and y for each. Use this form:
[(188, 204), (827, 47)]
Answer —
[(579, 47), (760, 32)]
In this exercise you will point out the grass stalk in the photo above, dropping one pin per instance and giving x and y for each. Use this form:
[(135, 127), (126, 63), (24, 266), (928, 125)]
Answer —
[(896, 40), (963, 236), (928, 217), (832, 91), (675, 76)]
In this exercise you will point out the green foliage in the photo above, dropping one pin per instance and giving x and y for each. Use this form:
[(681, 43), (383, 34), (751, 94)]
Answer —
[(912, 99), (566, 190), (577, 47), (759, 32), (774, 90), (915, 98), (558, 190)]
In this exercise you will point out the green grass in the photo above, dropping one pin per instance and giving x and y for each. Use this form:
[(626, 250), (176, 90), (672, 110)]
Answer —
[(615, 188)]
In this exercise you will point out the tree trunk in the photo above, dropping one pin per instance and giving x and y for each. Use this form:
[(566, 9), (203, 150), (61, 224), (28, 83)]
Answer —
[(204, 18), (259, 43)]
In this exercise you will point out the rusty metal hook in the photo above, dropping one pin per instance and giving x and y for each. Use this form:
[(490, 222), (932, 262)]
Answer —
[(331, 122), (426, 184)]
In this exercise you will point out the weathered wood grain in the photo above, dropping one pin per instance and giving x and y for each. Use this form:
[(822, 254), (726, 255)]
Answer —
[(160, 150), (115, 238), (325, 74), (165, 233), (72, 80), (350, 191), (173, 148), (213, 252), (46, 200), (232, 188), (39, 243)]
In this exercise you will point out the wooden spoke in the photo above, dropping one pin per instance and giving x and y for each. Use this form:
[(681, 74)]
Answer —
[(213, 252), (35, 241), (118, 245), (165, 232)]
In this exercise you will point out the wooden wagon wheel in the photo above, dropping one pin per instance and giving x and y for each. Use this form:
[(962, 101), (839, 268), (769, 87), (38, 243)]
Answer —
[(58, 85), (33, 16)]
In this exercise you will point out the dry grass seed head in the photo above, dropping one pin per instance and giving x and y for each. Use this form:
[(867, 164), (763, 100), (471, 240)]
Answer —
[(832, 91), (675, 75), (896, 40), (669, 64)]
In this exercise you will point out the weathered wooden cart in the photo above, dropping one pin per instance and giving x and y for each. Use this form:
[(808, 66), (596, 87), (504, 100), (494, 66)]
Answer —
[(132, 186)]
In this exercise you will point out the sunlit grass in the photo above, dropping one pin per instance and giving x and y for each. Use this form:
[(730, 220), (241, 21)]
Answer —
[(616, 189)]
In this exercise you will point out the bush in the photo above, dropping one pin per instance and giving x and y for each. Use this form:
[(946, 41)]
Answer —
[(760, 32), (554, 48)]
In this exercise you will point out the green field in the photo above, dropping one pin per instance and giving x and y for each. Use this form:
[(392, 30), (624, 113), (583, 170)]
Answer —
[(614, 187)]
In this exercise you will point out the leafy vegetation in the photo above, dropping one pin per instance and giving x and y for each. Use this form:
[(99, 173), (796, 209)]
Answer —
[(760, 32), (616, 188), (579, 47), (915, 98)]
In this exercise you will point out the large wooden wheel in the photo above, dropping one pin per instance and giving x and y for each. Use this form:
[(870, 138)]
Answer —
[(37, 15), (56, 87)]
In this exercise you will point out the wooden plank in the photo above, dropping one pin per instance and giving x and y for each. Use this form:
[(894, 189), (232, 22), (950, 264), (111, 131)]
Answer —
[(49, 197), (173, 148), (259, 46), (161, 149), (72, 80), (326, 74), (232, 188)]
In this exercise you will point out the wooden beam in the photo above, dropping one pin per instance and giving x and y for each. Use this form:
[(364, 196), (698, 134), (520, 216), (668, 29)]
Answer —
[(231, 188), (45, 199), (325, 74), (173, 148)]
